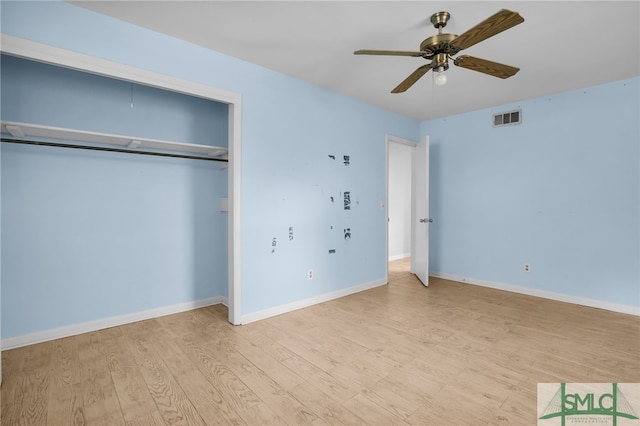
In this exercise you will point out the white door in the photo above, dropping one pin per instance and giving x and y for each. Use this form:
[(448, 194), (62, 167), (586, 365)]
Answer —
[(420, 212)]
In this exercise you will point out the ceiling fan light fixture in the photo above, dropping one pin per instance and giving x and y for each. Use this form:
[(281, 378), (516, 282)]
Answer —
[(440, 77)]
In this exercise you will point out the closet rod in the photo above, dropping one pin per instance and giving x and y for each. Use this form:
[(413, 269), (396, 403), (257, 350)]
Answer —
[(100, 148)]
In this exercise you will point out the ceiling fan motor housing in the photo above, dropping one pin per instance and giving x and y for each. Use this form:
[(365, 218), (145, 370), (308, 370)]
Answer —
[(439, 43)]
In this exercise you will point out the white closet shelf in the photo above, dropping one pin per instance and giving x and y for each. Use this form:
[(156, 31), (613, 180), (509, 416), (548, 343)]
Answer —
[(25, 130)]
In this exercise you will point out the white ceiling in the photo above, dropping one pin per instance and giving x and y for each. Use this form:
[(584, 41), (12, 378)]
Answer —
[(561, 45)]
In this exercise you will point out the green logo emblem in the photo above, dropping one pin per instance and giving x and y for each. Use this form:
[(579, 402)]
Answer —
[(588, 401)]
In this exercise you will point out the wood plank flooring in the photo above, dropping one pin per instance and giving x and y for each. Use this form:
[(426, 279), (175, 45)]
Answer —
[(400, 354)]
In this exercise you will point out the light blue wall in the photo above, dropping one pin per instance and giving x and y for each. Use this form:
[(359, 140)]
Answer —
[(289, 128), (91, 235), (559, 191), (0, 255), (87, 236), (49, 95)]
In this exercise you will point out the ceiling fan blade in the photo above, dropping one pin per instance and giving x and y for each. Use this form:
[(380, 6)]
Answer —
[(413, 77), (389, 52), (488, 67), (491, 26)]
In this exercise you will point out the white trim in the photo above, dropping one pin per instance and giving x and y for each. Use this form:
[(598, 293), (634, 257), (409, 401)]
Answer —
[(304, 303), (66, 58), (235, 287), (86, 327), (61, 57), (399, 256), (545, 294), (403, 141)]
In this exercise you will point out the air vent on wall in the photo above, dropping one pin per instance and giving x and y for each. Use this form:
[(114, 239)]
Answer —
[(507, 118)]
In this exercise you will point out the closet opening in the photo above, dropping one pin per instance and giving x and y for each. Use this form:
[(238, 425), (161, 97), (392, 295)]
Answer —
[(176, 174)]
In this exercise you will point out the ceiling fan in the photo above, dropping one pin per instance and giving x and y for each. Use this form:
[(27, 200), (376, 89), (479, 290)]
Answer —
[(442, 47)]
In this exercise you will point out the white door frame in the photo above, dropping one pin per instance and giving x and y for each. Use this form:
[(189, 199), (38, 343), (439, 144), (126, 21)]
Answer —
[(391, 139), (66, 58)]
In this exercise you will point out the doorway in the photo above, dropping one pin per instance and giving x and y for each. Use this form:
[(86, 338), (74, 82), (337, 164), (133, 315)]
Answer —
[(408, 202), (399, 194)]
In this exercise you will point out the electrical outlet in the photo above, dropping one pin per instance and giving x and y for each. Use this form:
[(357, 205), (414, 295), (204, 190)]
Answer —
[(527, 267), (310, 274)]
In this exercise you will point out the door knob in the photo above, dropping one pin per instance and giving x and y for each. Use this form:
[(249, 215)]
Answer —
[(426, 220)]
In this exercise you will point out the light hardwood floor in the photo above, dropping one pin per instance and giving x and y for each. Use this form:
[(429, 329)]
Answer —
[(394, 355)]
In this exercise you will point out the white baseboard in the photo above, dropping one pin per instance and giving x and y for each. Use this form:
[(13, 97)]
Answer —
[(561, 297), (399, 256), (85, 327), (282, 309)]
